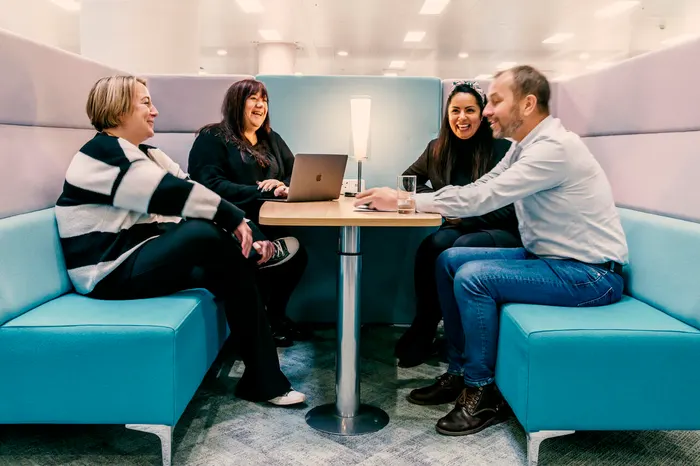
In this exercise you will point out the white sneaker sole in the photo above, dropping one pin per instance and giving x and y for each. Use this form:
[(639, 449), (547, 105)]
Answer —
[(288, 400)]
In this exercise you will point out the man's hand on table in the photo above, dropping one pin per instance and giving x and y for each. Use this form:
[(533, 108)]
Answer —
[(378, 199)]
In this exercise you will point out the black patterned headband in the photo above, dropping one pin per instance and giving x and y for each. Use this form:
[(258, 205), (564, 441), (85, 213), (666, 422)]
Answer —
[(473, 85)]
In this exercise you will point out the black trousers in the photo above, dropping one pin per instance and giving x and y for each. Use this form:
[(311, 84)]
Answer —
[(278, 283), (199, 254), (428, 313)]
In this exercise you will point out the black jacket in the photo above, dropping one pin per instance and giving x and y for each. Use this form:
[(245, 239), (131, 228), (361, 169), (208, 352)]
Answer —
[(219, 166), (426, 169)]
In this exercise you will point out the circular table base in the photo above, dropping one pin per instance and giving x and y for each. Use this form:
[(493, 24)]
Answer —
[(368, 419)]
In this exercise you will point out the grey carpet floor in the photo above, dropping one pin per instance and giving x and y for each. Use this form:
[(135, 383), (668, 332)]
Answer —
[(218, 429)]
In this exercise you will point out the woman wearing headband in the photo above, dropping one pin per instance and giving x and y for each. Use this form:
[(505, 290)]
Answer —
[(464, 151)]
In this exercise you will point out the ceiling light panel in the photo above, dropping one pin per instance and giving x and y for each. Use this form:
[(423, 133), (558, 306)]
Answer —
[(433, 7), (414, 36)]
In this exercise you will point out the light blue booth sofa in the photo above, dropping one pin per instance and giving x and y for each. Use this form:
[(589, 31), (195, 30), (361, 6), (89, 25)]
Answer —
[(632, 365), (68, 359)]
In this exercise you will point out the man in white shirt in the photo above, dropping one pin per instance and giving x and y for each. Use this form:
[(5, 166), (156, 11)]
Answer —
[(574, 245)]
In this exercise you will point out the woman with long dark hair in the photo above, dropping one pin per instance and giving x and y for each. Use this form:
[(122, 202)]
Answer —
[(133, 225), (245, 162), (464, 151)]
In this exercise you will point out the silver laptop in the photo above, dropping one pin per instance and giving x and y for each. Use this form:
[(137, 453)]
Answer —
[(316, 177)]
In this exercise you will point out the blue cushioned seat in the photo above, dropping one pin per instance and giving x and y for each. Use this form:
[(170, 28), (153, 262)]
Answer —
[(631, 365), (598, 368), (80, 360), (70, 359)]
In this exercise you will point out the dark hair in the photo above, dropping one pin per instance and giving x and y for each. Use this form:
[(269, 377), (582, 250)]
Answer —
[(443, 151), (526, 81), (232, 125)]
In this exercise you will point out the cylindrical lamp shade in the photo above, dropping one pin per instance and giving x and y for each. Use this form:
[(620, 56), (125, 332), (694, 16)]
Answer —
[(359, 120)]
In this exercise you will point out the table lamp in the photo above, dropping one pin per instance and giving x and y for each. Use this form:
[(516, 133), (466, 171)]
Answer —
[(359, 123)]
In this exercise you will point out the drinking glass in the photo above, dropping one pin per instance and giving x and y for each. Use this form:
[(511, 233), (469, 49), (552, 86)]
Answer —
[(406, 186)]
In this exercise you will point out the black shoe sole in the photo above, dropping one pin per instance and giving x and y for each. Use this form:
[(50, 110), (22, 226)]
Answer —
[(491, 422), (284, 344), (427, 403)]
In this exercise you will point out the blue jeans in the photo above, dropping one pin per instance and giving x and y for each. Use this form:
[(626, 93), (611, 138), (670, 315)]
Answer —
[(473, 282)]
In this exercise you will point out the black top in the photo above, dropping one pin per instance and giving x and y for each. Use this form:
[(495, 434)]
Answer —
[(220, 166), (426, 169)]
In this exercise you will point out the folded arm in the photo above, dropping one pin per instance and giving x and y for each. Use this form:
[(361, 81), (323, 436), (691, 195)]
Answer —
[(119, 174)]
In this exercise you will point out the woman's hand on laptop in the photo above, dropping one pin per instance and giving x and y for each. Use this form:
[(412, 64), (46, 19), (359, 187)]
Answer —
[(269, 185), (281, 191)]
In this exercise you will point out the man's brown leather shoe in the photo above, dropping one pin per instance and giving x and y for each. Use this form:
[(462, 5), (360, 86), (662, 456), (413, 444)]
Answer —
[(476, 409), (445, 390)]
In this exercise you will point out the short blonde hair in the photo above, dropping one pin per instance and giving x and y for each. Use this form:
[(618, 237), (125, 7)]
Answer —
[(110, 99)]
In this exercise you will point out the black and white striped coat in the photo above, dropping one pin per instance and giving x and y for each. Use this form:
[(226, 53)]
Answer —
[(117, 196)]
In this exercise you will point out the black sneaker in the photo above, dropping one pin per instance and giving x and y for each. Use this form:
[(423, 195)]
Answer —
[(285, 248)]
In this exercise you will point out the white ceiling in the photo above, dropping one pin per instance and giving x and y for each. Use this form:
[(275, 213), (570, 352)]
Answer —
[(372, 32)]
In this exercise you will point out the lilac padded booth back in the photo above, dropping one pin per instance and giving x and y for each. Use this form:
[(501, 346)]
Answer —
[(42, 120), (641, 120), (185, 104)]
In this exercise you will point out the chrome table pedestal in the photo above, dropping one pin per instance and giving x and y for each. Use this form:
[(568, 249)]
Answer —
[(347, 416)]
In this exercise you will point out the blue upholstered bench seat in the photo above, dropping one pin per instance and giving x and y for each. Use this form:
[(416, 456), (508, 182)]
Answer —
[(80, 360), (599, 368)]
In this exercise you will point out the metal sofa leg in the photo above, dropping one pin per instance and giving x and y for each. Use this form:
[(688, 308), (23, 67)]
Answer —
[(535, 438), (164, 433)]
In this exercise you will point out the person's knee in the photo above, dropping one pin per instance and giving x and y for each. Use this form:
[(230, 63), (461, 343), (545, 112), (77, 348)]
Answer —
[(212, 242), (474, 276), (430, 248), (447, 263), (479, 239), (199, 231)]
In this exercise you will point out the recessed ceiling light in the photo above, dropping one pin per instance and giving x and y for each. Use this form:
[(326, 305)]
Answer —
[(250, 6), (70, 5), (433, 7), (483, 76), (414, 36), (505, 65), (616, 8), (584, 56), (342, 53), (463, 55), (390, 73), (222, 52), (678, 39), (558, 38), (270, 34), (397, 64)]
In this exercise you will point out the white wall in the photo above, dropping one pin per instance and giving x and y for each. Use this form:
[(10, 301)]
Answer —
[(42, 21)]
